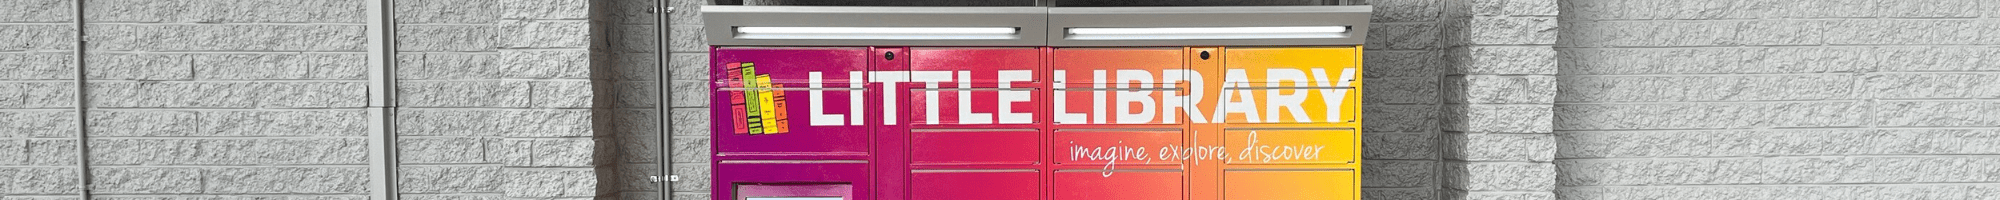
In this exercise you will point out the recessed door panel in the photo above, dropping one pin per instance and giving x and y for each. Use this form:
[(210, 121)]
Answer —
[(1291, 146), (1299, 184), (735, 179), (1118, 185), (798, 103), (944, 147), (1005, 184)]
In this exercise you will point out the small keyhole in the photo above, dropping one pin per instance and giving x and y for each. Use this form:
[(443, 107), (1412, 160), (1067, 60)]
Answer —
[(889, 55), (1204, 55)]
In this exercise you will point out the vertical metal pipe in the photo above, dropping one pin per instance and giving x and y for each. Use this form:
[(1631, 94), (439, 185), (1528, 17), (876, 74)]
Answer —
[(381, 100), (82, 111), (664, 91)]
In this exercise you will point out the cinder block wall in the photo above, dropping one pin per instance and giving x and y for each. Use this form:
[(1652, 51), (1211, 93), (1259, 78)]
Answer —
[(187, 98), (38, 124), (497, 100), (1774, 99), (1404, 60), (196, 98), (1498, 90), (264, 99)]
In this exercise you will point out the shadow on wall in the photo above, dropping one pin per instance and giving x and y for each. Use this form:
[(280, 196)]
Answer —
[(624, 77)]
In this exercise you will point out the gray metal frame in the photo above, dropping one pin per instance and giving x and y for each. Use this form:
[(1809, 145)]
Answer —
[(83, 175), (721, 22), (381, 106), (1354, 17), (1038, 26)]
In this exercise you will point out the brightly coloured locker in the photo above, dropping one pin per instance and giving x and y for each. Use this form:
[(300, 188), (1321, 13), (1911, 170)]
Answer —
[(973, 130), (1105, 106), (890, 66), (1054, 103), (795, 109), (1290, 117)]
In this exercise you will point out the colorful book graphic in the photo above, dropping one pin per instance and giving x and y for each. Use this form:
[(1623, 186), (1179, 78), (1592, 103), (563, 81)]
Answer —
[(736, 102), (759, 106), (755, 119), (778, 111), (766, 104)]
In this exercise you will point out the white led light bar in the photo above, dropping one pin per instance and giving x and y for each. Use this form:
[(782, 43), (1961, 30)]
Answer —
[(1207, 33), (878, 33)]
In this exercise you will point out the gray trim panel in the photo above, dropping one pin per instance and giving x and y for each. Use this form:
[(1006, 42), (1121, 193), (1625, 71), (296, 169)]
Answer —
[(1355, 18), (721, 21), (1038, 26)]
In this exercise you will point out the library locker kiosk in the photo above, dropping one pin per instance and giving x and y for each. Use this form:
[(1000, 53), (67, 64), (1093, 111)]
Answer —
[(1059, 103)]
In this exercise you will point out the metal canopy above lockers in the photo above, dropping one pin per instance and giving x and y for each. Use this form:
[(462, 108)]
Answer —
[(1035, 26)]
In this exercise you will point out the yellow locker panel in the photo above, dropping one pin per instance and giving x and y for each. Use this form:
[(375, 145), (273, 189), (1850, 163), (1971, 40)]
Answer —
[(1292, 146), (1290, 184), (1291, 85)]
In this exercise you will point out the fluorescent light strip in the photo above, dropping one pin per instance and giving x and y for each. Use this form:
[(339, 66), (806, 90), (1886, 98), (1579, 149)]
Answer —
[(878, 33), (1197, 33)]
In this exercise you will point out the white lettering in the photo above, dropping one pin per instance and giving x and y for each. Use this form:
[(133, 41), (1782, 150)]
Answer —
[(1143, 96), (1275, 79), (1242, 101), (1097, 113), (817, 109), (889, 80), (1170, 100), (930, 80), (1133, 93), (1008, 97), (1062, 102), (1335, 96), (965, 114), (854, 102)]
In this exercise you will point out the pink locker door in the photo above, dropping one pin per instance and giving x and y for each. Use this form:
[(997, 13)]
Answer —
[(973, 133), (1106, 103), (790, 121)]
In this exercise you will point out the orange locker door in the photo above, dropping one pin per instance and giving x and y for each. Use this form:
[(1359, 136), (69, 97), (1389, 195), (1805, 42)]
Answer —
[(1205, 163), (1112, 110), (1290, 119), (1290, 163)]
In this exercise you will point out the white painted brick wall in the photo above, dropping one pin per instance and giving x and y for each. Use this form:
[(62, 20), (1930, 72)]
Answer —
[(1498, 87), (498, 100), (1770, 99), (37, 99), (206, 99), (1402, 132), (1761, 99), (262, 99)]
